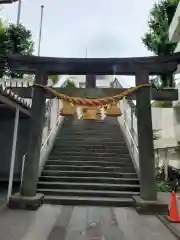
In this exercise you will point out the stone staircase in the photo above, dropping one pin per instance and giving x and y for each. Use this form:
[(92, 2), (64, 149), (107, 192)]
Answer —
[(89, 165)]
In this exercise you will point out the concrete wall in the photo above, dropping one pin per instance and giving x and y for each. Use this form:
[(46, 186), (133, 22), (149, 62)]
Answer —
[(130, 136), (52, 125), (177, 122), (6, 136), (163, 120)]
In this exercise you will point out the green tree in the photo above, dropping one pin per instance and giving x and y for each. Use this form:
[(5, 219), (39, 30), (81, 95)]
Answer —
[(157, 38), (2, 28), (54, 78), (16, 39), (19, 40), (70, 84), (2, 46), (111, 84)]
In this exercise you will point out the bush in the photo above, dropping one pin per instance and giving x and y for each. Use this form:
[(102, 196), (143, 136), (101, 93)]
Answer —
[(163, 187)]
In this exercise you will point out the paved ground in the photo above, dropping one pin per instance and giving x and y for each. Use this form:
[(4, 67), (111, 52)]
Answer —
[(80, 223), (175, 227)]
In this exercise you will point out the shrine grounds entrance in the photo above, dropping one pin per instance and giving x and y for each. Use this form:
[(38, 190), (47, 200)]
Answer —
[(141, 68)]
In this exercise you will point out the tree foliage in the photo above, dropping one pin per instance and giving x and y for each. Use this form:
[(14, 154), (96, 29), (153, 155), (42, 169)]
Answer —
[(54, 78), (111, 84), (70, 84), (156, 39), (18, 40), (15, 39)]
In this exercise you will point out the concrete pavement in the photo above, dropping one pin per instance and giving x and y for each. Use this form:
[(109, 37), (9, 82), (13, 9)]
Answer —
[(81, 223)]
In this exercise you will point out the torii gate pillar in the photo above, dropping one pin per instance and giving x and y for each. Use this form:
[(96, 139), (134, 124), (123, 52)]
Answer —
[(147, 201), (90, 81)]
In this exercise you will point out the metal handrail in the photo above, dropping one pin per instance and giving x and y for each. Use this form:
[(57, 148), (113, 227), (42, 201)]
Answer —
[(50, 133), (134, 143), (126, 126)]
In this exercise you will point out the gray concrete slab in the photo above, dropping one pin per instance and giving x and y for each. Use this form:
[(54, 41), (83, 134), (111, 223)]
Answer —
[(174, 227), (81, 223)]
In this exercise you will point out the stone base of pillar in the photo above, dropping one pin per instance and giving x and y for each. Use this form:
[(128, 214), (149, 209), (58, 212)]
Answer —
[(150, 207), (25, 203)]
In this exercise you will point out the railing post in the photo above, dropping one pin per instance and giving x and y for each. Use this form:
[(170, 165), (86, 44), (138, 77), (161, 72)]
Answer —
[(13, 153), (132, 122), (132, 129)]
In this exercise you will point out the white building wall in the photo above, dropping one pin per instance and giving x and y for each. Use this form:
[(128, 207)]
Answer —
[(174, 29), (174, 36), (101, 81), (163, 120)]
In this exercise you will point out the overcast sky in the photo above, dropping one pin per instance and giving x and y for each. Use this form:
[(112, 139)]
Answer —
[(109, 28)]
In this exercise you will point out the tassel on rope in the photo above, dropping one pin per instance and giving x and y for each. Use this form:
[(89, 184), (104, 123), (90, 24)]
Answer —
[(113, 110), (105, 108), (98, 113), (90, 114), (68, 109), (76, 112)]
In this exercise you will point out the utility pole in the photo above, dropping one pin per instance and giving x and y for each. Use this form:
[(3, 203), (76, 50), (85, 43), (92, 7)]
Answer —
[(40, 29), (19, 12), (86, 52)]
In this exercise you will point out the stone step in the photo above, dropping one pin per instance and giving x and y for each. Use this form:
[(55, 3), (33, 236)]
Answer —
[(89, 179), (89, 186), (90, 163), (85, 154), (86, 201), (88, 174), (80, 153), (93, 126), (87, 193), (87, 146), (89, 142), (96, 133), (129, 169), (89, 158), (90, 137), (89, 149), (107, 128)]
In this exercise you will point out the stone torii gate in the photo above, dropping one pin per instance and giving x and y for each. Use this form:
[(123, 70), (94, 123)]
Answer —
[(141, 68)]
